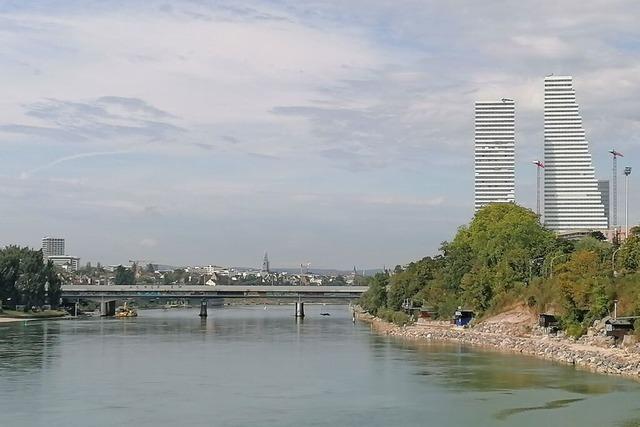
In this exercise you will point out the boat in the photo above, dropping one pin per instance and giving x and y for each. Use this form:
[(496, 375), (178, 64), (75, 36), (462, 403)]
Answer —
[(325, 314), (125, 311)]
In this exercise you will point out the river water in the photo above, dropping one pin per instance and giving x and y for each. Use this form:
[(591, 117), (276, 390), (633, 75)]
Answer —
[(250, 366)]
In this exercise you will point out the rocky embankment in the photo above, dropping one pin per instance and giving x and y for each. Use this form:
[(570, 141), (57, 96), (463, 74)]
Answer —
[(593, 352)]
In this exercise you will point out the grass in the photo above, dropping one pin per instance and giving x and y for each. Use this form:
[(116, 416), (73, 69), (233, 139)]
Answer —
[(31, 315)]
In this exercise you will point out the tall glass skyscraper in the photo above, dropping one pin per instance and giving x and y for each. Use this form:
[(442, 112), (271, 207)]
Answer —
[(494, 160), (572, 200)]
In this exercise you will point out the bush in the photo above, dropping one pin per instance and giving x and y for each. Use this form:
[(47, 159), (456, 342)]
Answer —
[(575, 330), (400, 318)]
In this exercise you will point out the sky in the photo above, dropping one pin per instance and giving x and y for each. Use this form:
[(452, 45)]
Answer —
[(329, 132)]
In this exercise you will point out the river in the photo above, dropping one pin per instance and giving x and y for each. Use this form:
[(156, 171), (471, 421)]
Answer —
[(250, 366)]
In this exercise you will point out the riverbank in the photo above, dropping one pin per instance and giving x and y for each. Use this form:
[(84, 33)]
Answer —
[(7, 316), (594, 353)]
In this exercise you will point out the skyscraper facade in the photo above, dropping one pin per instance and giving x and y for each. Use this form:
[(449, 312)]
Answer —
[(494, 159), (603, 187), (52, 246), (572, 200)]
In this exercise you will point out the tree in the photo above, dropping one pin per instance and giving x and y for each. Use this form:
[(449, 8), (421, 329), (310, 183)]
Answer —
[(629, 255), (124, 276), (376, 296), (495, 252), (23, 276)]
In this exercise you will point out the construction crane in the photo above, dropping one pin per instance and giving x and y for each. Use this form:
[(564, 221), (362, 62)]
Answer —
[(307, 265), (539, 165), (614, 187)]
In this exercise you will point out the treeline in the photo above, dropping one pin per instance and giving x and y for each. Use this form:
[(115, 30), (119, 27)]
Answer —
[(23, 278), (504, 257)]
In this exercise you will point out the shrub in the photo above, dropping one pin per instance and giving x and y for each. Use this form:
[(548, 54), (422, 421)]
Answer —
[(575, 330), (400, 318)]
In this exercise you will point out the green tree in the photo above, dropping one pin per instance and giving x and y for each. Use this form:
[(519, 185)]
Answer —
[(628, 257), (376, 296), (124, 276), (23, 276), (495, 252)]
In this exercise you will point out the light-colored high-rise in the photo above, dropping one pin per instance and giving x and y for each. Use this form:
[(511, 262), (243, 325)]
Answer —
[(52, 246), (603, 187), (572, 200), (494, 160)]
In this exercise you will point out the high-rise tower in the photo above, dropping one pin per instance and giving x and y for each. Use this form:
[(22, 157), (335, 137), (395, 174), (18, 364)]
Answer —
[(52, 246), (494, 160), (572, 200)]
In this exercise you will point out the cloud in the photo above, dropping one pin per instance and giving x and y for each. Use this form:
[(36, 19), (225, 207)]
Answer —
[(104, 119), (56, 162), (325, 121)]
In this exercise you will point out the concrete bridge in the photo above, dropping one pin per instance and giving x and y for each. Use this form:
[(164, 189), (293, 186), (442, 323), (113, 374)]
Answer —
[(107, 294)]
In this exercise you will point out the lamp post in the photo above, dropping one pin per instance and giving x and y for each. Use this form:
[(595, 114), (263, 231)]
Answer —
[(627, 172), (46, 293), (552, 259), (613, 262)]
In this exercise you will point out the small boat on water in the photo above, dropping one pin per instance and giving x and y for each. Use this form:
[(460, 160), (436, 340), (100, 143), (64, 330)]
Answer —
[(125, 311), (325, 314)]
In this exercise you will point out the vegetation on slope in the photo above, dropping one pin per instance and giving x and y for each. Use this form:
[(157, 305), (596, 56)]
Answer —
[(505, 256)]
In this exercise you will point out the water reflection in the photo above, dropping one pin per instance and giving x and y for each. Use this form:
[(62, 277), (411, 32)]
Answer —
[(27, 346), (461, 367), (248, 366), (554, 404)]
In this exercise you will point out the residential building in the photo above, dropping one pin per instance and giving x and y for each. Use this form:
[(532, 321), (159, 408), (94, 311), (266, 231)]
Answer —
[(603, 187), (67, 262), (572, 200), (52, 246), (494, 159)]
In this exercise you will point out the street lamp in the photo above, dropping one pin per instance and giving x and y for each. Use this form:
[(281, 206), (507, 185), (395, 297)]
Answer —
[(613, 262), (552, 259), (46, 293), (627, 172)]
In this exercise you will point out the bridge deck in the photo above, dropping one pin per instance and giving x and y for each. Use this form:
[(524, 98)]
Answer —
[(221, 291)]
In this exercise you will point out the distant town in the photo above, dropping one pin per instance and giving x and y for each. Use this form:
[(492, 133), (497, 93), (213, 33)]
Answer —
[(143, 272)]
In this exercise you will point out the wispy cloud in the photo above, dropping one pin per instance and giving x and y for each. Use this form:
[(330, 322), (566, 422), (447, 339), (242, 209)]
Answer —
[(29, 173)]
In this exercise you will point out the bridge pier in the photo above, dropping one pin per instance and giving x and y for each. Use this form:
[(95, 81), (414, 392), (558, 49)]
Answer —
[(203, 308), (108, 308), (299, 309)]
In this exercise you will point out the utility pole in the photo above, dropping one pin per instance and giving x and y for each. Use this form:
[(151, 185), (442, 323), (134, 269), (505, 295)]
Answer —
[(627, 172), (539, 165), (614, 188)]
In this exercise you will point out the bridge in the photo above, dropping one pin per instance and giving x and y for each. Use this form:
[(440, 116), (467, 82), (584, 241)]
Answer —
[(107, 294)]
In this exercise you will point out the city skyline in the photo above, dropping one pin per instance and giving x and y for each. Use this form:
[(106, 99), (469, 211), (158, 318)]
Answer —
[(334, 134)]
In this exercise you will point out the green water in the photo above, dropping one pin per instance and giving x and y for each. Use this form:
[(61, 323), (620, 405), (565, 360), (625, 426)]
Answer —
[(250, 366)]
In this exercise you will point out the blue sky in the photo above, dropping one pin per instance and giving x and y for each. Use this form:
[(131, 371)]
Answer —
[(335, 133)]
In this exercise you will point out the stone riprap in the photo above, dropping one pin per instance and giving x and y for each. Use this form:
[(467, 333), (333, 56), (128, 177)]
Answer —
[(595, 353)]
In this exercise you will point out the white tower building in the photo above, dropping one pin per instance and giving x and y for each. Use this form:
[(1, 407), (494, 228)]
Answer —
[(52, 246), (494, 160), (572, 200)]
